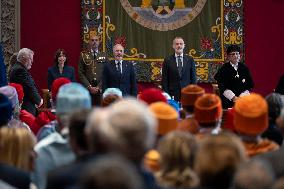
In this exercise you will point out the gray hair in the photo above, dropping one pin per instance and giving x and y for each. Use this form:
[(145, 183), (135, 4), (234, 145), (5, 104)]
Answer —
[(130, 128), (24, 54)]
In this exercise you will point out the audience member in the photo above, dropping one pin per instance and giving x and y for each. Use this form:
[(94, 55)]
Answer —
[(24, 116), (275, 103), (217, 159), (114, 91), (12, 95), (129, 130), (208, 113), (3, 75), (17, 148), (46, 121), (189, 95), (278, 184), (177, 150), (275, 157), (54, 150), (152, 95), (251, 120), (111, 95), (6, 110), (67, 176), (111, 171), (166, 115), (255, 174), (15, 177)]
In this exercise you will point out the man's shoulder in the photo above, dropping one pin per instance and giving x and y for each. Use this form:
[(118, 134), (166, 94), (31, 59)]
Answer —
[(49, 140), (17, 66), (243, 65), (86, 55), (170, 57), (188, 57), (101, 57), (226, 65), (69, 67)]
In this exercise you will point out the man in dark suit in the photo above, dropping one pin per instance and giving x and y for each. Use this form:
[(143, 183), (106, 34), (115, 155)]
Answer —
[(178, 70), (20, 74), (119, 73), (90, 69), (233, 78)]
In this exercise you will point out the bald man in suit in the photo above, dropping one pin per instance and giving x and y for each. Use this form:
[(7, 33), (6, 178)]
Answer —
[(119, 73)]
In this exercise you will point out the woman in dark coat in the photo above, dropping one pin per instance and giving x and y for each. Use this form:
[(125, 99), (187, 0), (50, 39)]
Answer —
[(60, 68)]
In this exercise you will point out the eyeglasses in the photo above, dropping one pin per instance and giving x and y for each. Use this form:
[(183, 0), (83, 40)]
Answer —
[(234, 53)]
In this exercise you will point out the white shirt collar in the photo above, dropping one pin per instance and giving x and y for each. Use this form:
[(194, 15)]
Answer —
[(235, 66), (176, 55), (116, 61)]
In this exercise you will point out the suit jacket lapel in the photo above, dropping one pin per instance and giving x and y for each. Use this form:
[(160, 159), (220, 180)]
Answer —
[(174, 62)]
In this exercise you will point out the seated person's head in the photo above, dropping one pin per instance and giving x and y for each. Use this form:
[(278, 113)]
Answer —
[(129, 129), (111, 171), (208, 110), (251, 115), (152, 95), (189, 95), (217, 159), (6, 110)]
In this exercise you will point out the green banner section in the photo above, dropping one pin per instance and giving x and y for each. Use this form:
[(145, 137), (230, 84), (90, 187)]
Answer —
[(146, 28), (147, 33)]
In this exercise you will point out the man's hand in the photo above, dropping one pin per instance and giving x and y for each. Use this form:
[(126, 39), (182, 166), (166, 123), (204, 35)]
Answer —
[(93, 90), (40, 104), (235, 99)]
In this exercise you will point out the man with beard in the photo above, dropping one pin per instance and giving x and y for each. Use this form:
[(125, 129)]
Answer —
[(90, 69), (178, 70)]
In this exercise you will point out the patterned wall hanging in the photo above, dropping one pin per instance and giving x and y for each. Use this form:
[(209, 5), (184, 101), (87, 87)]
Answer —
[(146, 29)]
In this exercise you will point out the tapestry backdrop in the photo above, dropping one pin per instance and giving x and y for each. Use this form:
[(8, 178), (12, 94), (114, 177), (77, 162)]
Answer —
[(146, 29)]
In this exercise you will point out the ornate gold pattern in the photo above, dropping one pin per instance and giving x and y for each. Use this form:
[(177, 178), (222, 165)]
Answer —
[(233, 38), (202, 70), (109, 27), (214, 29), (156, 71), (135, 54)]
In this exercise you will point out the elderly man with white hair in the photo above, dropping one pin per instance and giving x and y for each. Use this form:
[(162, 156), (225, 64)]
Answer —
[(20, 74), (126, 127)]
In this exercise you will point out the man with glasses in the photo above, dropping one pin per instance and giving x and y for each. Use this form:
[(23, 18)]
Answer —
[(90, 68), (233, 78)]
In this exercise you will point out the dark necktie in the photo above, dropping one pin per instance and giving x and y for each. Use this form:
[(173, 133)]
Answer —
[(118, 67), (179, 65)]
